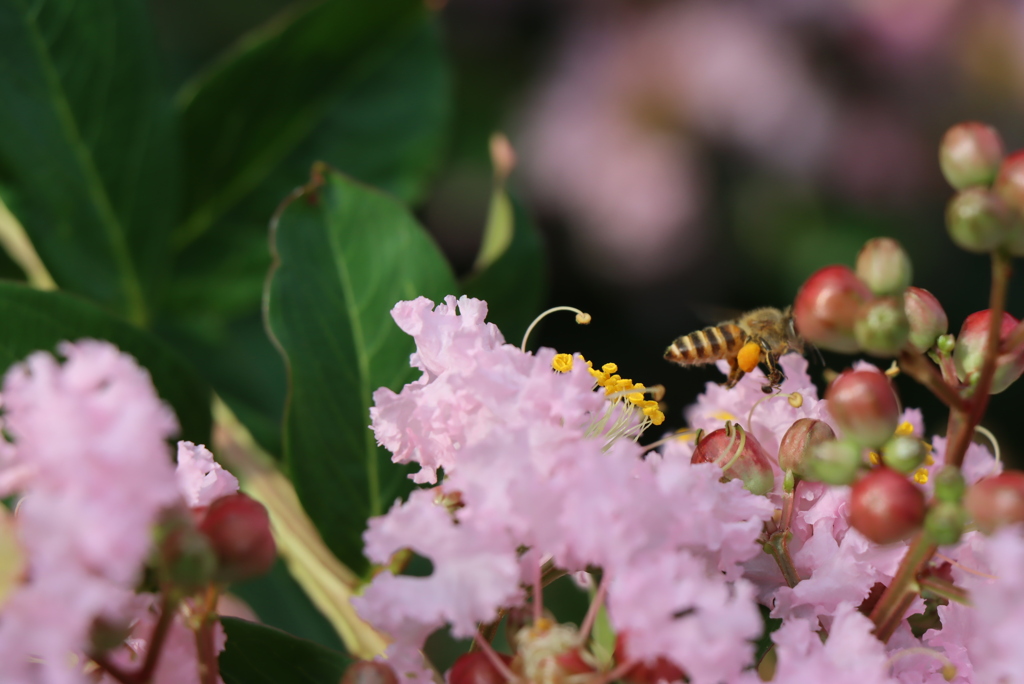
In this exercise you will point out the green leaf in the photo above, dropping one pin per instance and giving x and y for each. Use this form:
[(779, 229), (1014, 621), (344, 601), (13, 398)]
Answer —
[(513, 281), (280, 602), (346, 254), (87, 145), (362, 85), (256, 654), (35, 320)]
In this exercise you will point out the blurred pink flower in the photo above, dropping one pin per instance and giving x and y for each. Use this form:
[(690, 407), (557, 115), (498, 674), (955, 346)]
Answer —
[(610, 140), (202, 480), (90, 437), (179, 660)]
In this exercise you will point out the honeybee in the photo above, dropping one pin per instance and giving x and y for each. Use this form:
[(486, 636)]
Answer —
[(757, 337)]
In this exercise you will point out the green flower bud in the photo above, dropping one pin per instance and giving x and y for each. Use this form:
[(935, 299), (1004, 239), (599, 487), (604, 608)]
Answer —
[(949, 484), (864, 407), (926, 316), (882, 327), (799, 441), (884, 267), (945, 523), (978, 220), (970, 154), (834, 462), (904, 454)]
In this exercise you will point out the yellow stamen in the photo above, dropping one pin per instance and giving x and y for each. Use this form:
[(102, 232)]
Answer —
[(610, 368), (749, 356), (905, 429), (724, 415), (874, 458), (921, 476), (796, 400), (562, 363)]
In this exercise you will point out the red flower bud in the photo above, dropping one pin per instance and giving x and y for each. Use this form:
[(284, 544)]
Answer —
[(996, 501), (369, 672), (799, 441), (970, 154), (885, 507), (826, 308), (864, 407), (978, 220), (739, 455), (1009, 183), (882, 327), (239, 532), (661, 670), (970, 352), (1010, 187), (477, 668), (926, 316), (884, 267)]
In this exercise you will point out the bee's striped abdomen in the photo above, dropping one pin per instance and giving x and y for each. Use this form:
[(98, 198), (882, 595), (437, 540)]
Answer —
[(707, 345)]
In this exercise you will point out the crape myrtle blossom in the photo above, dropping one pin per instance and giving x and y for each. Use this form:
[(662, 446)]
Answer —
[(528, 474), (527, 481), (91, 467)]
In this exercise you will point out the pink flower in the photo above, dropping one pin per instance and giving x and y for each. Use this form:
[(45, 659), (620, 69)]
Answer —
[(673, 605), (475, 571), (200, 478), (179, 659), (90, 439), (850, 655)]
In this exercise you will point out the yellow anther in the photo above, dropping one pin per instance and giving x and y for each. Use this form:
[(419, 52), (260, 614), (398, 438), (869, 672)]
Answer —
[(635, 398), (650, 403), (893, 370), (874, 458), (583, 318), (921, 476), (543, 624), (562, 363), (655, 414), (724, 415), (610, 368), (749, 356), (905, 429), (596, 373), (796, 400), (639, 387)]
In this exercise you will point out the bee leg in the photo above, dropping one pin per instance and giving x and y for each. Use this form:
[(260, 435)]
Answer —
[(773, 372), (735, 373)]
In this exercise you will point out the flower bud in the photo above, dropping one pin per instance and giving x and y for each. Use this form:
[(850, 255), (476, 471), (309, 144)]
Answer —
[(834, 462), (826, 308), (864, 407), (945, 523), (661, 670), (239, 532), (970, 154), (739, 455), (926, 317), (969, 352), (1010, 187), (884, 267), (978, 220), (882, 327), (885, 507), (799, 441), (188, 558), (369, 672), (996, 501), (949, 484), (1009, 183), (477, 668), (904, 454)]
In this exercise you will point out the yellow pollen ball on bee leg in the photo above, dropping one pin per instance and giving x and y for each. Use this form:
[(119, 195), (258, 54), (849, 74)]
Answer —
[(749, 356)]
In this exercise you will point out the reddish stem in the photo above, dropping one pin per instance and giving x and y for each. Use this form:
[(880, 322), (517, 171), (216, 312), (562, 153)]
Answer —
[(168, 608), (209, 668), (916, 366), (114, 671)]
